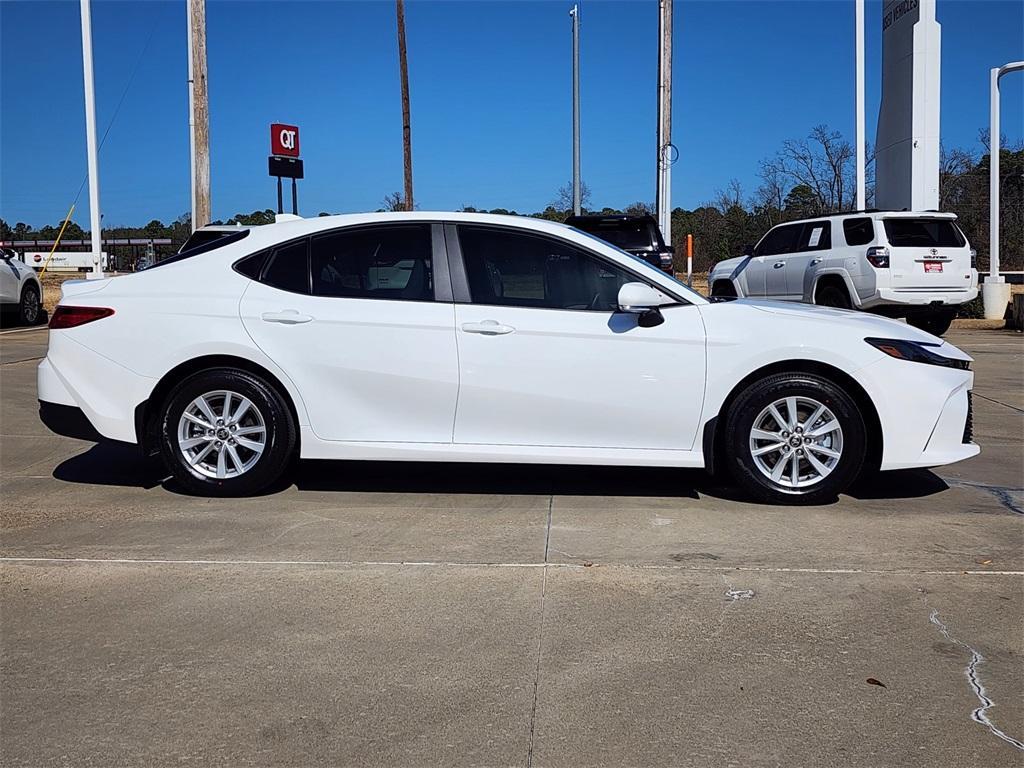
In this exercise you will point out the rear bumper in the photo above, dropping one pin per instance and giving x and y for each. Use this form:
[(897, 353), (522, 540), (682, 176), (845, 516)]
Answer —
[(921, 299)]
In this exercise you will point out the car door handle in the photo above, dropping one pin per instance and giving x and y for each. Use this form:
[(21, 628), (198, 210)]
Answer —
[(487, 328), (815, 261), (285, 317), (778, 264)]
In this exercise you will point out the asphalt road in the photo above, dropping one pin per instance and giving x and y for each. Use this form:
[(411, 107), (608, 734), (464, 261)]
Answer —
[(410, 614)]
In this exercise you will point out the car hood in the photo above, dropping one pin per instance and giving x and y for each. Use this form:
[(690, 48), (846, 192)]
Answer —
[(868, 324), (728, 265)]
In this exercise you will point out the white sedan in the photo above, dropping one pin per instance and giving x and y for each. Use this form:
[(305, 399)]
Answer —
[(479, 338)]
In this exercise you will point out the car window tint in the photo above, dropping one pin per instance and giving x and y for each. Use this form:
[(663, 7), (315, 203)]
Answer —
[(860, 231), (923, 233), (523, 270), (780, 240), (288, 268), (389, 262), (816, 236)]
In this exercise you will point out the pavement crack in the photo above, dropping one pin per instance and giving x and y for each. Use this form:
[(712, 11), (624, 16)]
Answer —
[(1002, 494), (980, 714), (540, 638), (998, 402)]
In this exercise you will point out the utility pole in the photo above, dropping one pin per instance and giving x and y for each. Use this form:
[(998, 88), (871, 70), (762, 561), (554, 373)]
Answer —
[(859, 43), (198, 114), (92, 152), (403, 64), (666, 150), (577, 188)]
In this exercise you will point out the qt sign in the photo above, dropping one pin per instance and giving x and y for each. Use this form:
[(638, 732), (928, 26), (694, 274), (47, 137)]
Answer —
[(284, 140)]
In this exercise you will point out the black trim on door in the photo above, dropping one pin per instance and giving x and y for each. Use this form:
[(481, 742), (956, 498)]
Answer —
[(456, 266), (441, 273)]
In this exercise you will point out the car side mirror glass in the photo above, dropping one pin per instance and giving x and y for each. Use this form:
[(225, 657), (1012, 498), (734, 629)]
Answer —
[(748, 249)]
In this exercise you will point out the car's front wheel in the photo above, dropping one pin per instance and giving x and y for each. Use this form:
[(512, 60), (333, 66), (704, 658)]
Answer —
[(226, 433), (795, 438)]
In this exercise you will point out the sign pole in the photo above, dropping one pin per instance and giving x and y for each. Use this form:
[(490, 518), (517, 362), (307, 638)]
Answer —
[(295, 199), (92, 151), (280, 202)]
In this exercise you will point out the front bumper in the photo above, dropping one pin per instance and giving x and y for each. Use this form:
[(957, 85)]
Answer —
[(924, 412)]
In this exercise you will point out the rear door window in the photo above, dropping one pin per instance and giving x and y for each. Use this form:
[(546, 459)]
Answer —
[(387, 262), (923, 233), (859, 231), (816, 236)]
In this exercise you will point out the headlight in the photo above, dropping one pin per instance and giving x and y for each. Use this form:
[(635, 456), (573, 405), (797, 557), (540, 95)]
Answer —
[(916, 352)]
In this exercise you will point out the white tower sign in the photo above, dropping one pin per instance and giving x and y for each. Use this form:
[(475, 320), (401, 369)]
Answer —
[(907, 144)]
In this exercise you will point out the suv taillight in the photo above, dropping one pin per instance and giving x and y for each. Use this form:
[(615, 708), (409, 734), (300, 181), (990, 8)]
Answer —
[(71, 317), (974, 259), (878, 255)]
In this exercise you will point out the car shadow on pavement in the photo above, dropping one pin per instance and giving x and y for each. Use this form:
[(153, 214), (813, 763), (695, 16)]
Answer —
[(121, 464), (112, 464), (501, 479)]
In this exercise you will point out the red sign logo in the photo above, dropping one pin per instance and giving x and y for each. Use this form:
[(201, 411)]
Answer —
[(284, 140)]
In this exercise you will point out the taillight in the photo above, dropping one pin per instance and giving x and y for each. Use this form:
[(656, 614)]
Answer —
[(974, 259), (71, 317), (878, 256)]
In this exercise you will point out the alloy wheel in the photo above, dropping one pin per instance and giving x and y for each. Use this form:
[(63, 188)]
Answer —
[(796, 442), (221, 434)]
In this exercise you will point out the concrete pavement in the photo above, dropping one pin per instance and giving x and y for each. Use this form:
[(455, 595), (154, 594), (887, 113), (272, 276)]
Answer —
[(375, 614)]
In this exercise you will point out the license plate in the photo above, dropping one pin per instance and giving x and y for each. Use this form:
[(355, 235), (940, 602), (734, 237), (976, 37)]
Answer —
[(933, 266)]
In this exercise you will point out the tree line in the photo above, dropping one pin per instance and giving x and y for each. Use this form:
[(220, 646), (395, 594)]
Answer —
[(807, 177)]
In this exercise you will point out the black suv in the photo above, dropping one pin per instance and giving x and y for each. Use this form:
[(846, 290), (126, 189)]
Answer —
[(639, 235)]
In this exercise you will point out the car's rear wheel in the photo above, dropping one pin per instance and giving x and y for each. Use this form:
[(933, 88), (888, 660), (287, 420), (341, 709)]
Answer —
[(30, 306), (935, 322), (795, 438), (833, 295), (226, 433)]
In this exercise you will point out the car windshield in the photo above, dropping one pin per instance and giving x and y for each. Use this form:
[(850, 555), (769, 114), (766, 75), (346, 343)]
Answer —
[(923, 233), (681, 286)]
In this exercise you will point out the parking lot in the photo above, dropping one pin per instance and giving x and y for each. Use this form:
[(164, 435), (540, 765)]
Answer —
[(422, 614)]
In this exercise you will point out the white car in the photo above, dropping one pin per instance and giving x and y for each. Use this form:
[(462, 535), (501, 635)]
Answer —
[(479, 338), (20, 289), (914, 265)]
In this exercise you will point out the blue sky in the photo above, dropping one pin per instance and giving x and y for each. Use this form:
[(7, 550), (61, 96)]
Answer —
[(490, 92)]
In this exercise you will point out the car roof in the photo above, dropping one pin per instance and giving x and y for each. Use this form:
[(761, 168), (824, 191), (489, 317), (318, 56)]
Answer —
[(874, 214)]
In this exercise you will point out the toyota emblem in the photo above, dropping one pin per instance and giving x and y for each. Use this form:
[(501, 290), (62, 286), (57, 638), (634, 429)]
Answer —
[(935, 251)]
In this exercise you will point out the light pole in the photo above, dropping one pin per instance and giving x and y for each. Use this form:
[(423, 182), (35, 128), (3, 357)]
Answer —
[(995, 291), (859, 37), (577, 192), (666, 150), (91, 151)]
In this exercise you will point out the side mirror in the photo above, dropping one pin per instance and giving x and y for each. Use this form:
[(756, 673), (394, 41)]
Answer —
[(641, 300), (748, 250)]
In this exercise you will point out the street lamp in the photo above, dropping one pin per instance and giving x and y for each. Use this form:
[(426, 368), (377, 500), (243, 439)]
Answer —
[(995, 291)]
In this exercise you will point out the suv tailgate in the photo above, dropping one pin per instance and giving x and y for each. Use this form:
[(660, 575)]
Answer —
[(927, 254)]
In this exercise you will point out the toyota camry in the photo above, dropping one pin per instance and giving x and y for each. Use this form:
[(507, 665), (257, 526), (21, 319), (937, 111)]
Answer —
[(479, 338)]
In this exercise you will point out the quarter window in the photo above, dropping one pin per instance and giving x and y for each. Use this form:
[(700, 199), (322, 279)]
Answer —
[(288, 268), (523, 270), (859, 231), (392, 262)]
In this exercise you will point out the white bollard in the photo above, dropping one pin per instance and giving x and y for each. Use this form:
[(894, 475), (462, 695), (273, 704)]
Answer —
[(995, 295)]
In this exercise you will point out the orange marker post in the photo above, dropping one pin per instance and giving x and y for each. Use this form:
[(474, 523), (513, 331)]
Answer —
[(689, 260)]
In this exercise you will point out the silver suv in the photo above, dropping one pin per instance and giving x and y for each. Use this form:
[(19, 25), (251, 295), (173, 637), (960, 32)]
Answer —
[(900, 264)]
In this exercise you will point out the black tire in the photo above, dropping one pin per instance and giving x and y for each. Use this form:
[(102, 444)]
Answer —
[(723, 288), (936, 322), (269, 405), (833, 295), (750, 404), (30, 307)]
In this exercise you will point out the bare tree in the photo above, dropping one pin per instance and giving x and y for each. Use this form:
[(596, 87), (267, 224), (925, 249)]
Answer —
[(394, 202), (823, 162), (403, 63), (563, 197), (772, 191), (639, 208)]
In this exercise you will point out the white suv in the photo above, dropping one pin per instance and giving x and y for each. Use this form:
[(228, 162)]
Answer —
[(20, 289), (900, 264)]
